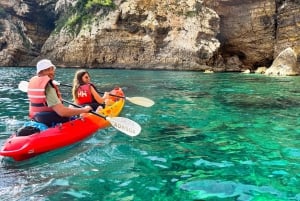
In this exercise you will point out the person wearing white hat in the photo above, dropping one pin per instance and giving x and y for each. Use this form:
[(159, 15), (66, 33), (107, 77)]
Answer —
[(43, 64), (45, 98)]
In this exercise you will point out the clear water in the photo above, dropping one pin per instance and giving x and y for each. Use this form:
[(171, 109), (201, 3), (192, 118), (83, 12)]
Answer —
[(224, 136)]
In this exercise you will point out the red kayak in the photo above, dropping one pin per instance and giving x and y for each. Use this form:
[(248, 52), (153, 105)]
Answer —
[(24, 147)]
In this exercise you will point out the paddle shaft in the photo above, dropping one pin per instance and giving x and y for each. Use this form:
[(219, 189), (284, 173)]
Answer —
[(124, 125), (78, 106)]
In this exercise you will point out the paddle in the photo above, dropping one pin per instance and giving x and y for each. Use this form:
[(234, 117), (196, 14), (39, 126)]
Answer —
[(122, 124), (142, 101)]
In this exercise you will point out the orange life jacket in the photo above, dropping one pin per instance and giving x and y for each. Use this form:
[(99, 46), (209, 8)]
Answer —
[(37, 95), (84, 94), (118, 92)]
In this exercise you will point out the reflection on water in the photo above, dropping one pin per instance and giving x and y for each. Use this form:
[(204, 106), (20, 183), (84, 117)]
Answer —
[(208, 137)]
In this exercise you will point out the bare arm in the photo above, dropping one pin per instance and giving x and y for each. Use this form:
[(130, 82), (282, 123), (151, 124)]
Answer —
[(54, 102), (64, 111), (97, 97)]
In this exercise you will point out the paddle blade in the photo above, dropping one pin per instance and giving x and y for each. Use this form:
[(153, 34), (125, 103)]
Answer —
[(142, 101), (23, 86), (125, 125)]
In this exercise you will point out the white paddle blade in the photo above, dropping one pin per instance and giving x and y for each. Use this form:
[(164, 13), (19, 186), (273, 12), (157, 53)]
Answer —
[(23, 86), (125, 125), (146, 102)]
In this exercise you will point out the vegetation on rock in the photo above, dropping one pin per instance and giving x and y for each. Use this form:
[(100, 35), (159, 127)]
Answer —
[(82, 13)]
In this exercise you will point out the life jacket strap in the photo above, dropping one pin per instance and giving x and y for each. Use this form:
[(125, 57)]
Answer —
[(38, 104)]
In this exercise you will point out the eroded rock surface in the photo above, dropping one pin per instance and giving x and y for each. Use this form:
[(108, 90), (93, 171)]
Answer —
[(224, 35)]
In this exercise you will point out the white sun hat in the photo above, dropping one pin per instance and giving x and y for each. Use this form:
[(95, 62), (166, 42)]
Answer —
[(44, 64)]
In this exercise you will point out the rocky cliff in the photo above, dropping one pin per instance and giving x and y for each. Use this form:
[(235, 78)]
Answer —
[(219, 35)]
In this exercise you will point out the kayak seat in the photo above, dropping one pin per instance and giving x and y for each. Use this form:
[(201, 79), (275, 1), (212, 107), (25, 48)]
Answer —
[(27, 130), (30, 128)]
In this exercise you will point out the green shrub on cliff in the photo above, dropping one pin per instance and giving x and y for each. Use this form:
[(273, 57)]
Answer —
[(82, 13), (73, 20), (2, 13), (91, 3)]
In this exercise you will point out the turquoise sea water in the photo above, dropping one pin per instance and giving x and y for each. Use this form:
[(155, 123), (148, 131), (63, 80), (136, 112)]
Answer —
[(222, 136)]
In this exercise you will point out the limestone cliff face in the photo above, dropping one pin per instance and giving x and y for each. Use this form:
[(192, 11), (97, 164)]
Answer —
[(24, 27), (247, 32), (256, 31), (223, 35), (142, 34), (287, 27)]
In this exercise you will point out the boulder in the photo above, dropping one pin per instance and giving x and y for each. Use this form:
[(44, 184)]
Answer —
[(261, 70), (285, 64)]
